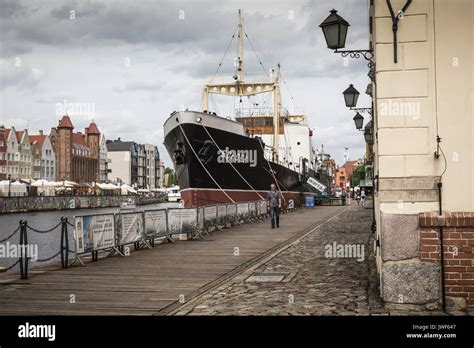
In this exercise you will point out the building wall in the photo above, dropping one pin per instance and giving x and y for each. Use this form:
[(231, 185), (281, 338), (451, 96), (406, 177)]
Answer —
[(13, 154), (120, 166), (141, 165), (3, 154), (151, 166), (428, 92), (161, 169), (84, 169), (63, 148), (25, 165), (36, 161), (48, 161), (103, 173)]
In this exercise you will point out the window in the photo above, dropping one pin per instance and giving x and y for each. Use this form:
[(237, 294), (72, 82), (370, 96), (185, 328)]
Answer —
[(1, 143), (259, 122), (269, 122)]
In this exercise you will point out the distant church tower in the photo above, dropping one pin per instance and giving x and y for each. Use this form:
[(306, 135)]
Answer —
[(346, 154)]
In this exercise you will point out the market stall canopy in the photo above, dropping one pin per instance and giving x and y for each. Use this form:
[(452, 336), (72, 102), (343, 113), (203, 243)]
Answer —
[(64, 183), (107, 186), (127, 189), (42, 183)]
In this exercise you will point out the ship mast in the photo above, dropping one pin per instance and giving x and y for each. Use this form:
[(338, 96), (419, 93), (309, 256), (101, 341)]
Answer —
[(276, 114), (240, 88), (240, 67)]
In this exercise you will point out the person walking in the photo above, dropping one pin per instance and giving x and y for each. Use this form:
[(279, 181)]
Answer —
[(274, 202), (362, 197)]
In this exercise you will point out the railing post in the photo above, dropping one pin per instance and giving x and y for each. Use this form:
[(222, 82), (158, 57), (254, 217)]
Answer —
[(23, 249), (64, 246)]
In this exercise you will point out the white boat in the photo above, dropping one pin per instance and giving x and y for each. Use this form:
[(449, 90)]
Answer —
[(174, 195)]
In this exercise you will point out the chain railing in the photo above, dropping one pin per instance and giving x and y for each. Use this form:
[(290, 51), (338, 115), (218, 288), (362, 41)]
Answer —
[(23, 246), (254, 210)]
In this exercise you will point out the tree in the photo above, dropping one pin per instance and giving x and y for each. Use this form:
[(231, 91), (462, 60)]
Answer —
[(171, 175), (358, 175)]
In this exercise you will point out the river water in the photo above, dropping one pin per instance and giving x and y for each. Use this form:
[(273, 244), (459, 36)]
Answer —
[(49, 243)]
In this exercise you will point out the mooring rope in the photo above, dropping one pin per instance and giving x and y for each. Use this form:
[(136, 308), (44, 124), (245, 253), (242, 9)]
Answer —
[(231, 164), (202, 164)]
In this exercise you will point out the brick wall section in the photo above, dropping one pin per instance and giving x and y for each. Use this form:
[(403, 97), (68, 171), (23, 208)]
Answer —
[(458, 240)]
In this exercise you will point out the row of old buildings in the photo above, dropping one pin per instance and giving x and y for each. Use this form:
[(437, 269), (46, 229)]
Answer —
[(82, 157)]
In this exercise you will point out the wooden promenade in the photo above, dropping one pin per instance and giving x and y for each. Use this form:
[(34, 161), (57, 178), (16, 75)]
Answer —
[(150, 282)]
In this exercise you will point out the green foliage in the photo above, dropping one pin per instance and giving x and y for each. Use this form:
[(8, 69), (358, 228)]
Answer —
[(172, 179), (358, 175)]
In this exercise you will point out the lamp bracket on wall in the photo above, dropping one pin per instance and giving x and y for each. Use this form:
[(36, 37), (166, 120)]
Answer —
[(367, 110), (395, 19), (368, 56)]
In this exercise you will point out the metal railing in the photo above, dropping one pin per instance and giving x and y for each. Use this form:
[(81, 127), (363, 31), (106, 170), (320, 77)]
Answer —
[(142, 230)]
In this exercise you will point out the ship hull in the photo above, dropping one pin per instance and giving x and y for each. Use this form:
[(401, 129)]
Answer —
[(205, 176)]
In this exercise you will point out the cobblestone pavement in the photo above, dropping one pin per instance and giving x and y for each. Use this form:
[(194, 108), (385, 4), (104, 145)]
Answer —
[(316, 284)]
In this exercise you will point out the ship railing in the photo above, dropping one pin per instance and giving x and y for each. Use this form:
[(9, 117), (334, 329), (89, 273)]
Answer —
[(256, 111), (119, 232)]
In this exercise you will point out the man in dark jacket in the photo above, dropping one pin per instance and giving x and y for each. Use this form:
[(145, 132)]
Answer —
[(274, 203)]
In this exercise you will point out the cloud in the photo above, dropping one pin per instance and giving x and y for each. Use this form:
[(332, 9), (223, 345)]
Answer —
[(20, 75), (141, 86), (174, 48)]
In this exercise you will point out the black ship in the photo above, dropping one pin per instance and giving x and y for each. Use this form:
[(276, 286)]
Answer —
[(223, 160)]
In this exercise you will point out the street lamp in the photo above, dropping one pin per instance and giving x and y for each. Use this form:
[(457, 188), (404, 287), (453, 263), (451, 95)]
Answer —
[(359, 121), (351, 95), (368, 90), (368, 134), (335, 30)]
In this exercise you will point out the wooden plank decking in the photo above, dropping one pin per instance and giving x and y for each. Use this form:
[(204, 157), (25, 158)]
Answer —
[(149, 280)]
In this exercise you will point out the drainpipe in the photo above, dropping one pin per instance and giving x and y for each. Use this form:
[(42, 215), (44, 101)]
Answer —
[(443, 301)]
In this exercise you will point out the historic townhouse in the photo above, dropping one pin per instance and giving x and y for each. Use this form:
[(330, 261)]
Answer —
[(3, 154), (25, 165), (13, 154), (44, 157)]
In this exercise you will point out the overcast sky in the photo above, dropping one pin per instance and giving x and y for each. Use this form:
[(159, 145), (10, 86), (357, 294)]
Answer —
[(131, 63)]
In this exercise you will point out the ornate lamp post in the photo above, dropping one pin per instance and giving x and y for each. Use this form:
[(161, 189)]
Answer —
[(351, 95), (368, 133), (335, 28), (359, 121)]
